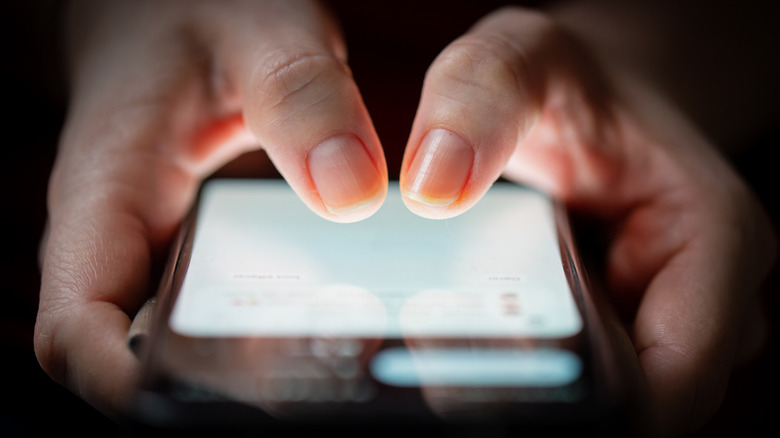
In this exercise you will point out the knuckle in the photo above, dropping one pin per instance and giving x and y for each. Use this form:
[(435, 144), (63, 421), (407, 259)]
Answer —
[(479, 65), (513, 47), (288, 80), (62, 278), (42, 344), (544, 27), (50, 358)]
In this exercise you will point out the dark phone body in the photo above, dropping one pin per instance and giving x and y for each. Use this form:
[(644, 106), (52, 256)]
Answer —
[(221, 383)]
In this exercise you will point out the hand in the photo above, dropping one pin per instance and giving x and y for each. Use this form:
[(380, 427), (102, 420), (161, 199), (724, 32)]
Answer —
[(165, 94), (162, 94), (688, 246)]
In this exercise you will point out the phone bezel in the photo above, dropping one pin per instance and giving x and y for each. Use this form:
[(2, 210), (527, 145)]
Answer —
[(154, 407)]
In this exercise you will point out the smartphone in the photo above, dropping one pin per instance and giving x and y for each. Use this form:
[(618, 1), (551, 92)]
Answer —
[(270, 317)]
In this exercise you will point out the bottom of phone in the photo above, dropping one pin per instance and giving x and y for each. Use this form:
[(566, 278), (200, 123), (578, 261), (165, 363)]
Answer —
[(155, 414)]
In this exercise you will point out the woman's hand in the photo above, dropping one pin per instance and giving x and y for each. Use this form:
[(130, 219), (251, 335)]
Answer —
[(689, 245), (162, 94)]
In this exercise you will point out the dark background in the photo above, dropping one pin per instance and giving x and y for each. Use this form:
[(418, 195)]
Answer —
[(389, 71)]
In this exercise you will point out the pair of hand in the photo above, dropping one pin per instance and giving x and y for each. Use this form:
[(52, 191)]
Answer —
[(163, 94)]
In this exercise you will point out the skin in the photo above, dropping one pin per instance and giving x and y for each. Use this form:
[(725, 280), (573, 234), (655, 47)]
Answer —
[(164, 94)]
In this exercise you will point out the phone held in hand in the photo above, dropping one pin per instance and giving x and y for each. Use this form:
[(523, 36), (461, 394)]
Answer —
[(270, 316)]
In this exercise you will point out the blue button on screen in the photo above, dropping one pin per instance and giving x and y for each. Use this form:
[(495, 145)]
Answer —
[(473, 367)]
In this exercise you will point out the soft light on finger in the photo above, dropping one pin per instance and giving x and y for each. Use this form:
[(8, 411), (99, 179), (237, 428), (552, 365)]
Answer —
[(303, 106), (480, 98)]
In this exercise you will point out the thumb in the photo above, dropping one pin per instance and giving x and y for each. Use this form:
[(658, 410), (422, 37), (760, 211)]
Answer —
[(513, 95)]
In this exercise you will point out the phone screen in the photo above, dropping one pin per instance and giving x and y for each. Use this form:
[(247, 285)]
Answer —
[(395, 316), (263, 265)]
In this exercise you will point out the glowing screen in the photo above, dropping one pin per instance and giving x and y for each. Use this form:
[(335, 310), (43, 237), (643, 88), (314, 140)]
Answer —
[(264, 265)]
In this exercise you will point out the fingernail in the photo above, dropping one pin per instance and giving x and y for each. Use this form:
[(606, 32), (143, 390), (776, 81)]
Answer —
[(440, 169), (344, 174)]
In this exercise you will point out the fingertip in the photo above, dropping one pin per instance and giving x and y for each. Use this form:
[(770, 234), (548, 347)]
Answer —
[(348, 181), (428, 210), (357, 212), (439, 172)]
